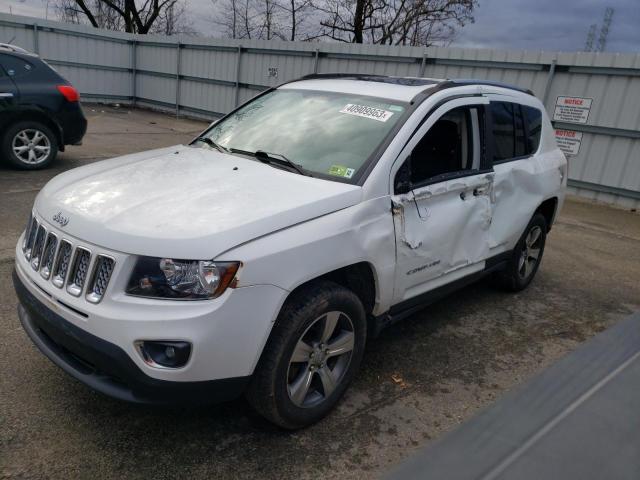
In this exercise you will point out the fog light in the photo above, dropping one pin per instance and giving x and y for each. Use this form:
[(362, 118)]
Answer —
[(164, 354)]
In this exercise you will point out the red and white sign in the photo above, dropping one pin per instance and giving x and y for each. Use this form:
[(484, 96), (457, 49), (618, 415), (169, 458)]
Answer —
[(569, 141), (572, 109)]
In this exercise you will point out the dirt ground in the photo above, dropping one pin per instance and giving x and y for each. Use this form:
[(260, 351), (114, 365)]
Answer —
[(419, 379)]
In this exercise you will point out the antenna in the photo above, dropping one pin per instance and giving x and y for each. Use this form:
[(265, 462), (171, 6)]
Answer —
[(604, 31), (591, 36)]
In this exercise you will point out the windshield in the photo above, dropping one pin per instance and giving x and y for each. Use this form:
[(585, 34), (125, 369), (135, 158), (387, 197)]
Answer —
[(325, 133)]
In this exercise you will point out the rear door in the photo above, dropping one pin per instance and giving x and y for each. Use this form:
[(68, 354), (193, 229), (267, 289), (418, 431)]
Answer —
[(518, 190), (8, 90)]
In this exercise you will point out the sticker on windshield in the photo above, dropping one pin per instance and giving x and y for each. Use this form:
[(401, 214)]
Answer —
[(341, 171), (367, 112)]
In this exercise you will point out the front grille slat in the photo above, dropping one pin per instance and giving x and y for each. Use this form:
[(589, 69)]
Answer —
[(48, 255), (38, 245), (31, 238), (100, 278), (61, 265), (65, 264), (79, 271), (27, 230)]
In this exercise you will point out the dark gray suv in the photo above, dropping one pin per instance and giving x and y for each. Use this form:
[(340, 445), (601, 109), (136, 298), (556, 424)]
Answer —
[(40, 111)]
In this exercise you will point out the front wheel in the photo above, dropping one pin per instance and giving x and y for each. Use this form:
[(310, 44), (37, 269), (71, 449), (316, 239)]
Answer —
[(29, 145), (314, 351), (526, 256)]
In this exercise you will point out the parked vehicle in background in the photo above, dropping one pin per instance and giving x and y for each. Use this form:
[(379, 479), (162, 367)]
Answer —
[(259, 258), (40, 111)]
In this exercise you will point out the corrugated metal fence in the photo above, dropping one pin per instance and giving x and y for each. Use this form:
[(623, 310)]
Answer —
[(208, 77)]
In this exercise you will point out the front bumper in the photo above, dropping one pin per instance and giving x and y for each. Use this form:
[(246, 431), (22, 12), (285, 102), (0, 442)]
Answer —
[(104, 366)]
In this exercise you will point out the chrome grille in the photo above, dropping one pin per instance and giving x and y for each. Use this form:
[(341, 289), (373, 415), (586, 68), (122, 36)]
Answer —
[(38, 245), (101, 276), (62, 264), (79, 271), (48, 255), (30, 236), (65, 263)]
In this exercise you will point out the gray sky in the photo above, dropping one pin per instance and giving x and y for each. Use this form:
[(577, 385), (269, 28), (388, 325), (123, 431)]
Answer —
[(552, 25)]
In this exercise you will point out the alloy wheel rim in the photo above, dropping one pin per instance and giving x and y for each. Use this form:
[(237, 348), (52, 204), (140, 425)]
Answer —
[(320, 359), (530, 254), (31, 146)]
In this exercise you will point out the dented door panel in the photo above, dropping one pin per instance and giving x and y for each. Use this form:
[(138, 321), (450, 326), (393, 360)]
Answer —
[(520, 187), (441, 229)]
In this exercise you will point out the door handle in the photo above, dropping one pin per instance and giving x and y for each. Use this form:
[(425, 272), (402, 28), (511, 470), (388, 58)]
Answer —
[(480, 191), (6, 95), (463, 195)]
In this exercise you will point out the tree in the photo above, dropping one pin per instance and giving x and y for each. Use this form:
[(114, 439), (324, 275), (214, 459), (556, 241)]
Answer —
[(394, 22), (265, 19), (150, 16)]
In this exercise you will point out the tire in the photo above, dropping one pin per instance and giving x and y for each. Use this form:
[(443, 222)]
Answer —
[(529, 249), (277, 389), (39, 144)]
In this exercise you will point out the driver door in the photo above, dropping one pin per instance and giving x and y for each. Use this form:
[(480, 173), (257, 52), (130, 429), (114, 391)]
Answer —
[(442, 200)]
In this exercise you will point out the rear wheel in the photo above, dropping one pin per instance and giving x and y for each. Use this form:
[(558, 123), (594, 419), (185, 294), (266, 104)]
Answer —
[(526, 256), (311, 357), (29, 145)]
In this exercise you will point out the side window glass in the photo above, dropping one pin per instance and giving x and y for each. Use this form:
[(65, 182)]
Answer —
[(503, 132), (451, 145), (519, 129), (14, 66), (533, 117)]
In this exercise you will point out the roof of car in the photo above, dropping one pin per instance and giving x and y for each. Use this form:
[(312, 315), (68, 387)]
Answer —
[(402, 89)]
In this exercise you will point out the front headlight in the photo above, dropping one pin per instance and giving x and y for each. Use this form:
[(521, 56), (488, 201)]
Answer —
[(181, 279)]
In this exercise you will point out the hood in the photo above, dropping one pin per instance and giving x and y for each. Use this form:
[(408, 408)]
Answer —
[(185, 202)]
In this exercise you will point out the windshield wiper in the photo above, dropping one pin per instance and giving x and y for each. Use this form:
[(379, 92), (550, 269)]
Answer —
[(211, 143), (267, 157)]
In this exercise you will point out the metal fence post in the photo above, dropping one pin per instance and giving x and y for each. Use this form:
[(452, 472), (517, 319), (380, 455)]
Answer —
[(134, 63), (315, 62), (178, 58), (36, 45), (237, 93), (423, 65), (547, 86)]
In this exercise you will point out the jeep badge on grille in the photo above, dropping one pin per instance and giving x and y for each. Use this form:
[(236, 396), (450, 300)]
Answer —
[(60, 219)]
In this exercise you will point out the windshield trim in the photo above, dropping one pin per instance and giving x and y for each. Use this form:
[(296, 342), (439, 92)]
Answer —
[(367, 166)]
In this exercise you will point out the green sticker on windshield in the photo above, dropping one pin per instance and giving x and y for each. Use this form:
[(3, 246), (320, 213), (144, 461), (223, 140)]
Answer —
[(341, 171)]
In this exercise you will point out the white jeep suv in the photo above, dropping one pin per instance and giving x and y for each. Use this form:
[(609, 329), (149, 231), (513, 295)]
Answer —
[(259, 258)]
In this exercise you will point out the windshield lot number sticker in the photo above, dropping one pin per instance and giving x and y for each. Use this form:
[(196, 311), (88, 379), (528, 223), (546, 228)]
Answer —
[(367, 112), (340, 171)]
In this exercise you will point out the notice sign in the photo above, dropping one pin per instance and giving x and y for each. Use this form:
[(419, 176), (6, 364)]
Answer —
[(568, 141), (572, 109)]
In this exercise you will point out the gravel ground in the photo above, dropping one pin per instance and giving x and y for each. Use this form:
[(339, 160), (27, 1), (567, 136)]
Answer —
[(421, 378)]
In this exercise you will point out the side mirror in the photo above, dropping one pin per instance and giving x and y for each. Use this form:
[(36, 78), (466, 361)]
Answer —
[(402, 183)]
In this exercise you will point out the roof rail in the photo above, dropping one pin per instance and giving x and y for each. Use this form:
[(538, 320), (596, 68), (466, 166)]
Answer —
[(415, 81), (14, 48), (406, 81), (460, 82)]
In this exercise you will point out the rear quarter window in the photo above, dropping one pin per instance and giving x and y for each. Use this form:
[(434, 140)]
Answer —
[(15, 67), (533, 117)]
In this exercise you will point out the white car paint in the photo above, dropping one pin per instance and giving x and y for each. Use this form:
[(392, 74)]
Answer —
[(286, 229)]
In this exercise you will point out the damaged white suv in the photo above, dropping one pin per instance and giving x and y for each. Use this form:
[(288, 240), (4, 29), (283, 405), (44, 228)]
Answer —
[(259, 258)]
